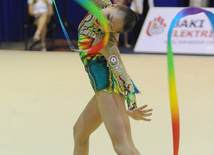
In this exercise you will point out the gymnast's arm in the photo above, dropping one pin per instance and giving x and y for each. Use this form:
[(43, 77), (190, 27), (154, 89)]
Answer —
[(112, 55), (137, 113)]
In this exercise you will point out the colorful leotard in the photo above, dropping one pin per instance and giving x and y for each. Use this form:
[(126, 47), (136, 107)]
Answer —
[(106, 73), (100, 73)]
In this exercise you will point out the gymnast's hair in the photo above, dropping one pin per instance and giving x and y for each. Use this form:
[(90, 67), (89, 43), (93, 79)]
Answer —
[(130, 18)]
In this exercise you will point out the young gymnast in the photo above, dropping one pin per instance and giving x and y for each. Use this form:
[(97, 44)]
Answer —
[(110, 81), (42, 10)]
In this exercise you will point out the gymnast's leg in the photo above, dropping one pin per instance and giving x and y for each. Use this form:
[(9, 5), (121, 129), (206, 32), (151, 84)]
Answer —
[(115, 118), (88, 121), (121, 99)]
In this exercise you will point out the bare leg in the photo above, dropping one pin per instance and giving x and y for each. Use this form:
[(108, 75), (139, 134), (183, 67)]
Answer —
[(115, 118), (88, 121), (43, 36), (112, 106), (123, 112), (126, 40), (41, 23)]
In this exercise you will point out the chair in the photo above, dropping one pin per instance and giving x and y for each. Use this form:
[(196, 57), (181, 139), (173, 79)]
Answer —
[(51, 31)]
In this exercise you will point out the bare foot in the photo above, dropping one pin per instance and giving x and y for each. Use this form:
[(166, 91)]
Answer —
[(128, 46)]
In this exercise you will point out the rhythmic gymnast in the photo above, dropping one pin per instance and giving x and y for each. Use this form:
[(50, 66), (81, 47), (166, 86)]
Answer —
[(110, 81)]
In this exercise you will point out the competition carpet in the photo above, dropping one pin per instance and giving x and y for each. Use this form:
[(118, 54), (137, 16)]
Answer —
[(43, 93)]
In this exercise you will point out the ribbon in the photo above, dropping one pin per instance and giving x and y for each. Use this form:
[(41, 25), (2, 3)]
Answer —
[(91, 7), (171, 74)]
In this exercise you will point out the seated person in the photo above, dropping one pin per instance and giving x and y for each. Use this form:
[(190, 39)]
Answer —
[(42, 10)]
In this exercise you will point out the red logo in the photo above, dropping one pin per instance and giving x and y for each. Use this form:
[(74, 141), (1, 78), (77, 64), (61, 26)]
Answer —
[(156, 26)]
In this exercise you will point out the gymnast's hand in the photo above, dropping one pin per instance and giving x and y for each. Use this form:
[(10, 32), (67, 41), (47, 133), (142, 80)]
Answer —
[(140, 113)]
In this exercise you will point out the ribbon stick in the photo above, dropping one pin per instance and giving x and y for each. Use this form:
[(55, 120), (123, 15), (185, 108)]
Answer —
[(91, 7), (172, 85)]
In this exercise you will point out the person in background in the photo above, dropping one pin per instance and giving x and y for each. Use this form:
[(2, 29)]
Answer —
[(124, 3), (143, 8), (41, 10)]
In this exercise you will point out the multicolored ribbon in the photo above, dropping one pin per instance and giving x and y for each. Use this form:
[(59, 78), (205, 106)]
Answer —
[(91, 7), (172, 86)]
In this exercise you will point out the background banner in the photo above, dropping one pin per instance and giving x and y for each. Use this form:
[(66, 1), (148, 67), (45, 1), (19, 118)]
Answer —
[(191, 35)]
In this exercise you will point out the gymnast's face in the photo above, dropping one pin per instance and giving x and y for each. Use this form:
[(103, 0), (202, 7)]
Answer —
[(115, 18)]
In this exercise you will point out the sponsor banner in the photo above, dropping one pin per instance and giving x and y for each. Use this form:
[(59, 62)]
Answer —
[(191, 35)]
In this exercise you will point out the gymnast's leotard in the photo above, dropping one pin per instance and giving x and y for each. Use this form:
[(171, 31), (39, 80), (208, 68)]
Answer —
[(99, 71)]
